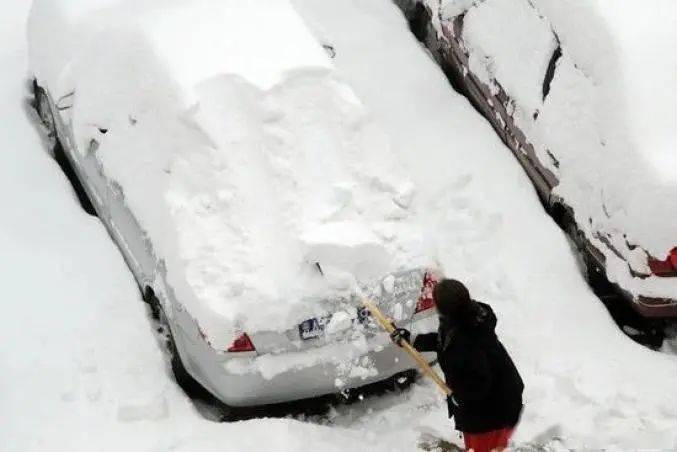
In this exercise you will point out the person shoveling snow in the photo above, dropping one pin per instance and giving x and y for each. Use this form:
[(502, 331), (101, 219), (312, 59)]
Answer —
[(487, 388)]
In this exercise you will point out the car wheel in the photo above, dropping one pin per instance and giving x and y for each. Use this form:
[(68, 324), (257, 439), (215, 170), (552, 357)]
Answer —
[(217, 409), (183, 378), (150, 299)]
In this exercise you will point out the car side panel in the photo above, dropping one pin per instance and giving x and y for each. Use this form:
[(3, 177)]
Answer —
[(108, 200)]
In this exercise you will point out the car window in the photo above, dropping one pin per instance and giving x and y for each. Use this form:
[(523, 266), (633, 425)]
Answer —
[(550, 72)]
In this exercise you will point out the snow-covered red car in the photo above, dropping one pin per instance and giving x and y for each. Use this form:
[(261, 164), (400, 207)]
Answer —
[(226, 162), (583, 94)]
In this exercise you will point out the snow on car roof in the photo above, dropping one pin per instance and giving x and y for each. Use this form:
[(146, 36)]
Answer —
[(252, 156)]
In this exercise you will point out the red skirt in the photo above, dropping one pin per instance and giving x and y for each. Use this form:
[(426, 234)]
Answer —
[(496, 440)]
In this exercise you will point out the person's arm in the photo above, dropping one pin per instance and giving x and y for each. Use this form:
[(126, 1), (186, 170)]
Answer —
[(422, 342), (426, 342)]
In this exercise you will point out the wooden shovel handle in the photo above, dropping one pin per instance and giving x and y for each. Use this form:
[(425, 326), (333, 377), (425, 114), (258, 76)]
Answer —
[(388, 325)]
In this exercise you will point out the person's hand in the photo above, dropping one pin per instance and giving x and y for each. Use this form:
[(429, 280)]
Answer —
[(399, 335)]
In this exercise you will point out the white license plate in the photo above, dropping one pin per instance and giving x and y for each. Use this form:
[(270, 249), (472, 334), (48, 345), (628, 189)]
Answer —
[(313, 328)]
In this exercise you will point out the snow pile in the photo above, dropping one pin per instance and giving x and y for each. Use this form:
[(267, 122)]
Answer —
[(257, 162)]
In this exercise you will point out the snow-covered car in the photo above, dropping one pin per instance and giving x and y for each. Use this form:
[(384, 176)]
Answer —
[(582, 92), (227, 162)]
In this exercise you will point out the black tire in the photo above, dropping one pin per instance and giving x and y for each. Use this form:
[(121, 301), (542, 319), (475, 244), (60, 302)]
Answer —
[(597, 278), (166, 337), (183, 378), (220, 411), (150, 299)]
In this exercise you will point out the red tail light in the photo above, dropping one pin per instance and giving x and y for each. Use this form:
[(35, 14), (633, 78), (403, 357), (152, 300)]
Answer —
[(426, 300), (242, 344), (665, 268)]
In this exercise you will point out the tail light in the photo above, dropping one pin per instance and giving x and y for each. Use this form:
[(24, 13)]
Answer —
[(665, 268), (426, 300), (242, 344)]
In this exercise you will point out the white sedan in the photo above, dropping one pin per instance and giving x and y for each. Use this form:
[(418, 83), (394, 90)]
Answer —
[(230, 166)]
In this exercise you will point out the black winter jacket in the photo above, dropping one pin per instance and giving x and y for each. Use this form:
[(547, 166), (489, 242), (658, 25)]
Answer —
[(486, 386)]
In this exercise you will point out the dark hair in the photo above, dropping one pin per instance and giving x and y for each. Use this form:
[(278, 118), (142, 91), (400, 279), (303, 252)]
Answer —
[(452, 298)]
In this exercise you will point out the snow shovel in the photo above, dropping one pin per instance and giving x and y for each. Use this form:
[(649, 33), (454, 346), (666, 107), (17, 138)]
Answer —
[(389, 326)]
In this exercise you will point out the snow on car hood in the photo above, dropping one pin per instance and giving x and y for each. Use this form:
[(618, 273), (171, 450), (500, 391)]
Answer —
[(244, 175)]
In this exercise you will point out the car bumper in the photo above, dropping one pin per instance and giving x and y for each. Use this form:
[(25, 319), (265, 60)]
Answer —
[(328, 377), (656, 307), (650, 296), (285, 377)]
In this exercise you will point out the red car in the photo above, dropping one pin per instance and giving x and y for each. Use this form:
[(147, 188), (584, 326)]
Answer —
[(581, 92)]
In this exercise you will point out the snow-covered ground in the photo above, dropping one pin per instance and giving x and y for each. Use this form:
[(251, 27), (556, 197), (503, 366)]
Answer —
[(81, 368)]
